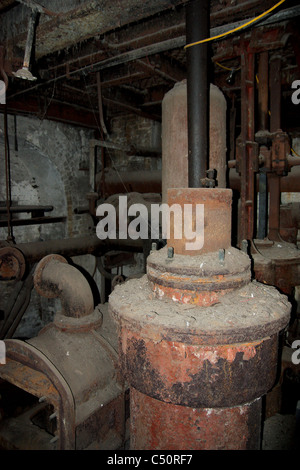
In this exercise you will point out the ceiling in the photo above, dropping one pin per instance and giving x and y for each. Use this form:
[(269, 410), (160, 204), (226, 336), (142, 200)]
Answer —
[(97, 59)]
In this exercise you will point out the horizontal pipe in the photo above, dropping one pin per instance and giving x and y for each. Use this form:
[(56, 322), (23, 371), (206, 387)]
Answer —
[(34, 251), (288, 184), (129, 181), (162, 46)]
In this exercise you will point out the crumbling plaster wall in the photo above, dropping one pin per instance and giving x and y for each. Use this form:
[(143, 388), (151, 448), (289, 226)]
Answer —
[(139, 133)]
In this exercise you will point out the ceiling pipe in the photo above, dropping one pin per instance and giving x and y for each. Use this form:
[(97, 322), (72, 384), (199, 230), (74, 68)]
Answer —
[(197, 28), (35, 6), (24, 72)]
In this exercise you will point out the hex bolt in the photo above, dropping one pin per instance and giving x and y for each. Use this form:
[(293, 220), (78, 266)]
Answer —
[(170, 252), (244, 246), (154, 246), (42, 399), (221, 255), (54, 415)]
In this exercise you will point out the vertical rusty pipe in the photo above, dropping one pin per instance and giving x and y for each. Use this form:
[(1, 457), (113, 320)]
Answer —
[(263, 91), (263, 125), (275, 124), (250, 138), (197, 28), (30, 38), (247, 149), (274, 209), (275, 93)]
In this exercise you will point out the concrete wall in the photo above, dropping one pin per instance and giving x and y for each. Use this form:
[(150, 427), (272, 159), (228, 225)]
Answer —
[(140, 133), (45, 159)]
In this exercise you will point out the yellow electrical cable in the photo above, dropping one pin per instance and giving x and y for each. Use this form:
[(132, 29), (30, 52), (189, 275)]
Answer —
[(295, 153), (235, 29), (227, 68)]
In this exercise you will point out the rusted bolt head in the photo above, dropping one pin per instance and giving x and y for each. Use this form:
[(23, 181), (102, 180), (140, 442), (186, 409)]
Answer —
[(170, 252)]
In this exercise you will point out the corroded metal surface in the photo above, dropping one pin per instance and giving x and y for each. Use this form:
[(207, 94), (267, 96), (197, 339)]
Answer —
[(76, 371), (277, 263), (223, 355), (194, 370), (30, 370), (199, 280), (253, 312), (200, 376), (217, 218), (235, 428), (72, 365), (12, 264)]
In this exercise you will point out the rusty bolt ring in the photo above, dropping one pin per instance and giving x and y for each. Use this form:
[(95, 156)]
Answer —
[(201, 284), (92, 321), (245, 319), (191, 266), (15, 254)]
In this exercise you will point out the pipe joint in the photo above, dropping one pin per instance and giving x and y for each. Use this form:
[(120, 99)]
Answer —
[(54, 277)]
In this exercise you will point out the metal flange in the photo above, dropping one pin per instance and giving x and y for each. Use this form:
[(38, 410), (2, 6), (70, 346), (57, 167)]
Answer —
[(201, 279), (12, 264)]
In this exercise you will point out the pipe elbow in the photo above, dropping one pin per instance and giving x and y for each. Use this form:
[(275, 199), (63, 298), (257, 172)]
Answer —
[(55, 278)]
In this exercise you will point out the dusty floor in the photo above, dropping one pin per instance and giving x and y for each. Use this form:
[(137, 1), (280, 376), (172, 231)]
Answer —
[(281, 432)]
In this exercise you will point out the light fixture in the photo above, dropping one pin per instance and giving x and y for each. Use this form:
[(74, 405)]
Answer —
[(24, 72)]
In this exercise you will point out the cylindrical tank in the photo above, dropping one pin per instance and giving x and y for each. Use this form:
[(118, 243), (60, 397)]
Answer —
[(198, 342), (175, 137)]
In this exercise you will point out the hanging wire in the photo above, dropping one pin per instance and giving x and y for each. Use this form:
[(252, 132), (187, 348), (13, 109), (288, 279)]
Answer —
[(100, 130), (254, 20), (230, 69), (107, 149), (46, 107), (10, 237)]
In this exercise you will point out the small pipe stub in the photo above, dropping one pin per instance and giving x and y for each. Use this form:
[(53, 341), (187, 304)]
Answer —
[(215, 228)]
